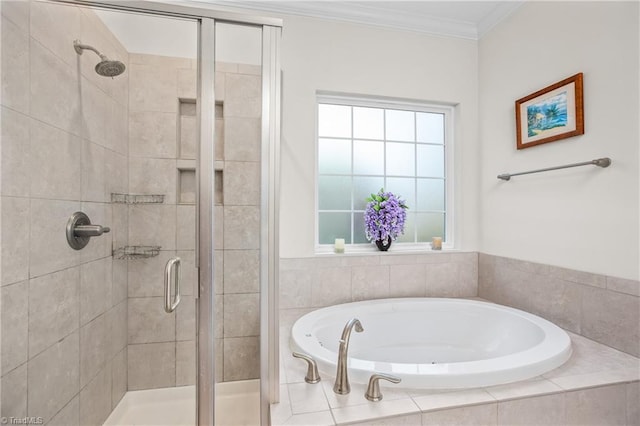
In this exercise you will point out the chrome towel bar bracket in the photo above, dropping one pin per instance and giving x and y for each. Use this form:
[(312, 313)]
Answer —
[(600, 162)]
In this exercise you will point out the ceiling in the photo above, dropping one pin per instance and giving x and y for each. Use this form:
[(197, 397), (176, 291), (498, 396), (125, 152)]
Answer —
[(238, 44), (452, 18)]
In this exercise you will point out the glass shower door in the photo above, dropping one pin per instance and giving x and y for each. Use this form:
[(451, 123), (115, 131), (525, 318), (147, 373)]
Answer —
[(237, 207)]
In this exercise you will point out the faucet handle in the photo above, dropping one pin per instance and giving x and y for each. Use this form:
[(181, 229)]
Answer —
[(312, 368), (373, 390)]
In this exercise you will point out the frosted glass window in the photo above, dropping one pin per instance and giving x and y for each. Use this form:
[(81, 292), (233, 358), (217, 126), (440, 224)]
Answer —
[(401, 159), (400, 125), (429, 225), (334, 225), (368, 158), (334, 156), (430, 127), (359, 236), (430, 194), (404, 188), (368, 123), (371, 145), (334, 121), (409, 229), (363, 187), (431, 160), (334, 192)]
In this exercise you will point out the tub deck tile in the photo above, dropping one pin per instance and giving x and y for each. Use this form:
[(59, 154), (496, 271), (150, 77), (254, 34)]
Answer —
[(460, 398), (474, 415), (583, 381), (374, 410), (307, 399), (408, 420), (534, 387), (591, 357), (356, 397), (320, 418)]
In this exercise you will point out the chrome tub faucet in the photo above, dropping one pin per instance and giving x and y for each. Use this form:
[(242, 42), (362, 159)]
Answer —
[(341, 385)]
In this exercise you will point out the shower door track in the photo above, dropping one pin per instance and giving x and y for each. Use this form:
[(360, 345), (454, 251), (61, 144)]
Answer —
[(177, 11), (269, 259)]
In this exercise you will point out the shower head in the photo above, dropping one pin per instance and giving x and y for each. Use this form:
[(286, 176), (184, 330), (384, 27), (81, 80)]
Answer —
[(109, 68), (105, 67)]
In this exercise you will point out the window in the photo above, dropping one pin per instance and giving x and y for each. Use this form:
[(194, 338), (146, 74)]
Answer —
[(364, 145)]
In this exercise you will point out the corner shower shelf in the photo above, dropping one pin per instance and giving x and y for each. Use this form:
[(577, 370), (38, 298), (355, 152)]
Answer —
[(136, 252), (137, 198)]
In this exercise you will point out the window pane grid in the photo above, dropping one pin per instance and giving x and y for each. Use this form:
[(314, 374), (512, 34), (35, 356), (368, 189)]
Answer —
[(404, 177)]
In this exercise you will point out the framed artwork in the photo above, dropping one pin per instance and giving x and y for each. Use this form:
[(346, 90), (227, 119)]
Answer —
[(550, 114)]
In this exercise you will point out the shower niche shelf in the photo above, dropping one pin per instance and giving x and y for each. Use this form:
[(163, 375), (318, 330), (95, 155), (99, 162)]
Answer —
[(136, 252), (137, 198)]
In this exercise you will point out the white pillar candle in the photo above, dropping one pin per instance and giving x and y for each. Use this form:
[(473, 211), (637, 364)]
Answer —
[(338, 246), (436, 243)]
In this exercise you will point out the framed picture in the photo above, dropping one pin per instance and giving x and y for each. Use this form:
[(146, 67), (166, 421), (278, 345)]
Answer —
[(550, 114)]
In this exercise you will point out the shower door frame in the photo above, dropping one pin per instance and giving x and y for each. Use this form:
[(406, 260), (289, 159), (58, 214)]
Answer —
[(270, 185)]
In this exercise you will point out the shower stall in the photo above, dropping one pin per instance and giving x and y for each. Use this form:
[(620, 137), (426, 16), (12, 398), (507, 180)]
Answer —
[(139, 203)]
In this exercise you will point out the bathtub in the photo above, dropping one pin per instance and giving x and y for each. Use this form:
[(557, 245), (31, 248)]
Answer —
[(433, 343)]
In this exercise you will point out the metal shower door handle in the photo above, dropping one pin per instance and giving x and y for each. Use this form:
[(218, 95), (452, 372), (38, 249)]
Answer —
[(172, 265)]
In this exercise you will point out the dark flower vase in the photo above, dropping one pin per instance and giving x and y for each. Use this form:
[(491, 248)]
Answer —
[(382, 246)]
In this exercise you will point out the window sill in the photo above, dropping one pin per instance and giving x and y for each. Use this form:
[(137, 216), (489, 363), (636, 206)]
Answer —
[(371, 249)]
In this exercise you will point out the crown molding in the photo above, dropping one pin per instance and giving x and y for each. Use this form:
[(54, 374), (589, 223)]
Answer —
[(498, 14), (375, 14)]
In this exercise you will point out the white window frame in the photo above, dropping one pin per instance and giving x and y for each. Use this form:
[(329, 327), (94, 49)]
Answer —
[(323, 97)]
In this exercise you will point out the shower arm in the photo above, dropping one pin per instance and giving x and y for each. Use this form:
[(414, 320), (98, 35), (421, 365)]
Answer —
[(79, 47)]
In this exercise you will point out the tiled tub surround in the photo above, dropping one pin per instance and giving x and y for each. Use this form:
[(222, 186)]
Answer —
[(333, 279), (599, 384), (64, 149), (601, 308)]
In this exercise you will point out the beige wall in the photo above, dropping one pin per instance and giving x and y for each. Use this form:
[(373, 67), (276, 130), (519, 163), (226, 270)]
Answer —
[(64, 149), (348, 58), (584, 218)]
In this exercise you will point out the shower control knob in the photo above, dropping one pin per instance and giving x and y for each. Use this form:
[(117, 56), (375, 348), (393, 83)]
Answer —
[(90, 230), (80, 230)]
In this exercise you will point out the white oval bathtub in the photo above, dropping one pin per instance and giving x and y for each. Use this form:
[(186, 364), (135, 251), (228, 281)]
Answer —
[(434, 343)]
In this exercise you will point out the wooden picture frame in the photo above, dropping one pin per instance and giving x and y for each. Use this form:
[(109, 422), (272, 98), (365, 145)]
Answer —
[(553, 113)]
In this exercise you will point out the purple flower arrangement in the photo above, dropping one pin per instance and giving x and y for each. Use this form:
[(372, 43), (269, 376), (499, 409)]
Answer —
[(384, 217)]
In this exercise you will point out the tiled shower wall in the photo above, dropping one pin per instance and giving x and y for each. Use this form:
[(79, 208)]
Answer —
[(161, 346), (64, 149), (601, 308), (162, 131), (238, 87)]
